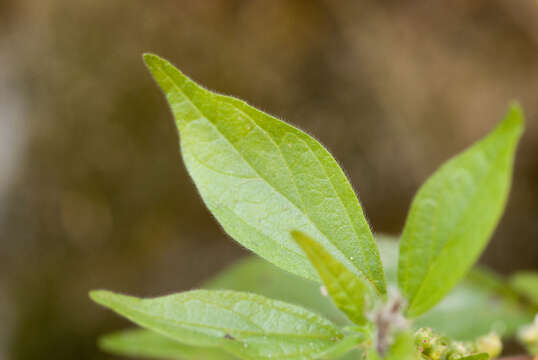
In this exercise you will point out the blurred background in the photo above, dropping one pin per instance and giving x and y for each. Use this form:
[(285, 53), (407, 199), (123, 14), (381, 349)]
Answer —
[(93, 193)]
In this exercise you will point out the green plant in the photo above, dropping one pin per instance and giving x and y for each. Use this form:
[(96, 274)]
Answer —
[(280, 193)]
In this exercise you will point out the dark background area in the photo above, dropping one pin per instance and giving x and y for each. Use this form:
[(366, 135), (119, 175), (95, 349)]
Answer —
[(93, 193)]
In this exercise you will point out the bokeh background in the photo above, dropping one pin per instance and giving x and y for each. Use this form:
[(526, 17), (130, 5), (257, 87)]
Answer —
[(93, 193)]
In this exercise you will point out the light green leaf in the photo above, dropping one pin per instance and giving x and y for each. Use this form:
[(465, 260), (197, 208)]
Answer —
[(454, 214), (247, 325), (145, 343), (263, 178), (256, 275), (350, 293), (526, 284)]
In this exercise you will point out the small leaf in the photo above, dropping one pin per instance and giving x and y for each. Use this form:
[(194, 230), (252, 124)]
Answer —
[(145, 343), (526, 284), (263, 178), (349, 292), (454, 214), (247, 325)]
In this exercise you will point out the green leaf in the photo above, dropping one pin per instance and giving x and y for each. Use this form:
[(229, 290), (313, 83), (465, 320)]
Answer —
[(350, 293), (525, 283), (263, 178), (256, 275), (454, 214), (145, 343), (247, 325)]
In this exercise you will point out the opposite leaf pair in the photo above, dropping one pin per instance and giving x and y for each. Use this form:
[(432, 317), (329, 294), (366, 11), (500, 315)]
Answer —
[(265, 180)]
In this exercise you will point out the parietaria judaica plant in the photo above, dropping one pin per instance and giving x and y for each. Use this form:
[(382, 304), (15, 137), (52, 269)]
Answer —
[(280, 193)]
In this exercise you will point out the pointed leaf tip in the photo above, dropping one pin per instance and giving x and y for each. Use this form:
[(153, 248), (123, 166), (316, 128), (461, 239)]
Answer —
[(150, 58), (99, 296)]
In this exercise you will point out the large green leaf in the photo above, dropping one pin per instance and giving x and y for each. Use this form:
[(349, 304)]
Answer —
[(263, 178), (247, 325), (145, 343), (350, 293), (526, 283), (454, 214)]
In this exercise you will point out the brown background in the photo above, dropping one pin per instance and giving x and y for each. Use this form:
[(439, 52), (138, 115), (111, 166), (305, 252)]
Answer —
[(92, 190)]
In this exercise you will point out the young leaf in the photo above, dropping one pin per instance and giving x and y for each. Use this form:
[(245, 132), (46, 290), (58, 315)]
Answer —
[(263, 178), (454, 214), (247, 325), (349, 292), (145, 343), (526, 284)]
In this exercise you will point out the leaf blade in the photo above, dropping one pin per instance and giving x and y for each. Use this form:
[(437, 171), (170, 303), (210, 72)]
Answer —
[(349, 292), (227, 144), (454, 213), (247, 325)]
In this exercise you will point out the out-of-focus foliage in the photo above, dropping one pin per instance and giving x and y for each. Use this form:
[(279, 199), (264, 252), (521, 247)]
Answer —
[(528, 335), (526, 284), (145, 343)]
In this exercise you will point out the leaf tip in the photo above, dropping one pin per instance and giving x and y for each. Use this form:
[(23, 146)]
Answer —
[(515, 118), (100, 296), (151, 59), (301, 238)]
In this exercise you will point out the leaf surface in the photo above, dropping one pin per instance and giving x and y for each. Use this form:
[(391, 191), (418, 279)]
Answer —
[(263, 178), (247, 325), (145, 343), (454, 214), (350, 293)]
